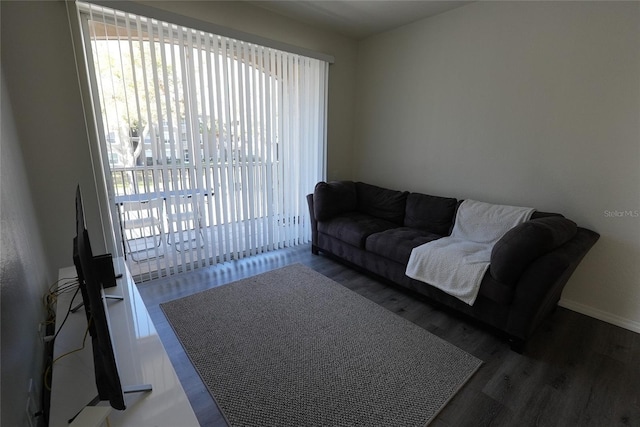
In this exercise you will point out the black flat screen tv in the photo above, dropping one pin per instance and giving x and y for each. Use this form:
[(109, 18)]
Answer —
[(89, 276)]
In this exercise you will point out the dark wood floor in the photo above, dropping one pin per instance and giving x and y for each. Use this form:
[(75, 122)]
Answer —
[(576, 371)]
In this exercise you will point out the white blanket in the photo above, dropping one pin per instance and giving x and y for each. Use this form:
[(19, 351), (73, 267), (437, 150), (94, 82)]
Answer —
[(457, 264)]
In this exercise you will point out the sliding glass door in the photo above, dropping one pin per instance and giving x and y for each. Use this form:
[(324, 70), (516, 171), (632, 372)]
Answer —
[(209, 144)]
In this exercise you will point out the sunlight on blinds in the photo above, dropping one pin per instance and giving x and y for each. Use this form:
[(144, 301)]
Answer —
[(229, 135)]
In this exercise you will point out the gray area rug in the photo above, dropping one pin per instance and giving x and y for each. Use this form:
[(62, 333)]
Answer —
[(291, 347)]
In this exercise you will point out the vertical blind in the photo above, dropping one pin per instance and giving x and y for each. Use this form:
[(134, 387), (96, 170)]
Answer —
[(229, 135)]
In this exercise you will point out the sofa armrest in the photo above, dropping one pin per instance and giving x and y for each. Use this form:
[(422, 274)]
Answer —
[(334, 198), (539, 288), (523, 244)]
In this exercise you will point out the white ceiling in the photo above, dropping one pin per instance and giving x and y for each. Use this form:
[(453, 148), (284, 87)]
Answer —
[(358, 18)]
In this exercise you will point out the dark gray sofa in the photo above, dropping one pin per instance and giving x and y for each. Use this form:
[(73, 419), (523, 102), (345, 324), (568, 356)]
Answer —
[(374, 230)]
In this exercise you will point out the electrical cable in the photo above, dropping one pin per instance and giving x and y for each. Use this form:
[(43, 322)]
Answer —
[(67, 315), (51, 297)]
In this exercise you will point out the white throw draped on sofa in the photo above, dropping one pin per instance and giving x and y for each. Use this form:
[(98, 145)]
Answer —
[(457, 264)]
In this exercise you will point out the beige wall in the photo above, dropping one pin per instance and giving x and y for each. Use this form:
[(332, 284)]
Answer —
[(24, 276), (42, 85), (525, 103)]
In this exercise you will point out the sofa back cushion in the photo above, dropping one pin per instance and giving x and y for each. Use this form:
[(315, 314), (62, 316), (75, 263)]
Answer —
[(430, 213), (334, 198), (381, 202)]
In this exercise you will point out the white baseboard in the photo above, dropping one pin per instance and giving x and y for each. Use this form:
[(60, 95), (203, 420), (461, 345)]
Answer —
[(631, 325)]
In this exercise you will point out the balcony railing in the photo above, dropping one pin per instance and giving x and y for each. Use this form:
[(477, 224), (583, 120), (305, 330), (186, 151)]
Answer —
[(227, 181)]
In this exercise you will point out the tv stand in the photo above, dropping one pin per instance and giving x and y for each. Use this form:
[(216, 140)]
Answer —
[(141, 360)]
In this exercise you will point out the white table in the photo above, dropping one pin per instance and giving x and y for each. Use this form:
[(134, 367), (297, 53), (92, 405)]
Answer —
[(141, 360)]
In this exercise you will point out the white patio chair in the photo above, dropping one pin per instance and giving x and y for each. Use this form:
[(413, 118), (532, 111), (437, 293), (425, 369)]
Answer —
[(142, 221), (185, 222)]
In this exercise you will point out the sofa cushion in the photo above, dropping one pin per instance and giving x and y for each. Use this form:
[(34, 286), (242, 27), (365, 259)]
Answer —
[(430, 213), (397, 243), (334, 198), (353, 228), (381, 202), (526, 242)]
